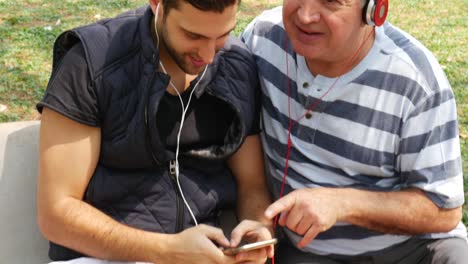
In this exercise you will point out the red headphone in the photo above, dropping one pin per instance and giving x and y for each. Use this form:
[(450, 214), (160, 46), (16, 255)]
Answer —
[(375, 12)]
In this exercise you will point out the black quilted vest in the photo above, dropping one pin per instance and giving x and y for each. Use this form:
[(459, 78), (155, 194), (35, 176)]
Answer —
[(132, 183)]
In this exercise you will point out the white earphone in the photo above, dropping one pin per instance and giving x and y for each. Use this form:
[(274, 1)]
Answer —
[(182, 119)]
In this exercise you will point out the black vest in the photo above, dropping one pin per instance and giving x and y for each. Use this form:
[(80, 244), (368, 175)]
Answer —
[(132, 182)]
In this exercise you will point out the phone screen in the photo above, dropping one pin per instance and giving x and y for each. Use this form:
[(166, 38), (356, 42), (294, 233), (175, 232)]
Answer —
[(250, 246)]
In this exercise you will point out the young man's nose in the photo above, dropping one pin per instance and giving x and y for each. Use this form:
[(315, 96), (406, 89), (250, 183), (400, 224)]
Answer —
[(207, 51)]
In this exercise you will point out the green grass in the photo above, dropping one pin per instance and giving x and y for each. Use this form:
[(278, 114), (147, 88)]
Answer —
[(28, 29), (442, 26)]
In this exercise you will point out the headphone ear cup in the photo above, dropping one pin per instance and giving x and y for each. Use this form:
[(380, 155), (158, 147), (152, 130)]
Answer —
[(375, 12), (381, 12)]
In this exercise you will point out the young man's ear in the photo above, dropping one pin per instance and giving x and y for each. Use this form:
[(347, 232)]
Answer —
[(154, 4)]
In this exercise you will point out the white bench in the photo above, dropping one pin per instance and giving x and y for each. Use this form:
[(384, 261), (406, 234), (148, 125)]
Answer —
[(20, 239)]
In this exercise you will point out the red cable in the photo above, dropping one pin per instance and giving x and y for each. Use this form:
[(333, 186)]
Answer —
[(291, 124)]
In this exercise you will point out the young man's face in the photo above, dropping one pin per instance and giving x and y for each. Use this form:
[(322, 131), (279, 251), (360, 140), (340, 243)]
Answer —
[(324, 30), (192, 37)]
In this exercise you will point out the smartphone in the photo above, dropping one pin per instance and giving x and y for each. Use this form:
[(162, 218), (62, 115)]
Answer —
[(250, 246)]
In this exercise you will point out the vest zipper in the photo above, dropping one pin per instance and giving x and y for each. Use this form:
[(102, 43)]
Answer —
[(179, 202)]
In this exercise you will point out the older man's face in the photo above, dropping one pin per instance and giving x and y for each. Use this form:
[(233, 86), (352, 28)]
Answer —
[(322, 29)]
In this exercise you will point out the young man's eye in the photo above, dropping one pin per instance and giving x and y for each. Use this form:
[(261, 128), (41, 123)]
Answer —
[(192, 36)]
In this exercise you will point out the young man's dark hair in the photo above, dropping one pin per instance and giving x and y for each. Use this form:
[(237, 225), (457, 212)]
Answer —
[(204, 5)]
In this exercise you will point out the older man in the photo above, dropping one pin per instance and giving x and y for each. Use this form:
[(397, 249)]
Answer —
[(360, 135)]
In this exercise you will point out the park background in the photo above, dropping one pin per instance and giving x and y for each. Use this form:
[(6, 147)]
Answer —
[(28, 29)]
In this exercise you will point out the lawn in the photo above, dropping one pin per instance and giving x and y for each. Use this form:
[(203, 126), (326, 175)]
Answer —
[(29, 27)]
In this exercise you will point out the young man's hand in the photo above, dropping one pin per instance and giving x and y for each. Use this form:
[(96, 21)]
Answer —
[(196, 245), (252, 231)]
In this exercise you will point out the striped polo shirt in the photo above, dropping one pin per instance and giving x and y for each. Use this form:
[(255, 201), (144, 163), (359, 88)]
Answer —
[(387, 125)]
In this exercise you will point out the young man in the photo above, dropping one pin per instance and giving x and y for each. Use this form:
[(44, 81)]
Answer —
[(362, 121), (148, 125)]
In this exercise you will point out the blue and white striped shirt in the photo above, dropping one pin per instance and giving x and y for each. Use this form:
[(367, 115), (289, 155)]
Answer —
[(387, 125)]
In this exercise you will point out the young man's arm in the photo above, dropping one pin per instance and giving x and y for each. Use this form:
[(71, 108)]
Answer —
[(248, 168), (252, 195), (68, 155)]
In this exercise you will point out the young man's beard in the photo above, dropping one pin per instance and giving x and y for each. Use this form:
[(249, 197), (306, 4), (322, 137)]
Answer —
[(178, 58)]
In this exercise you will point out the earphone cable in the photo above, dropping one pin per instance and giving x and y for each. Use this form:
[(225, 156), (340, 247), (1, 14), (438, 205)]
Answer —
[(182, 119), (292, 122)]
